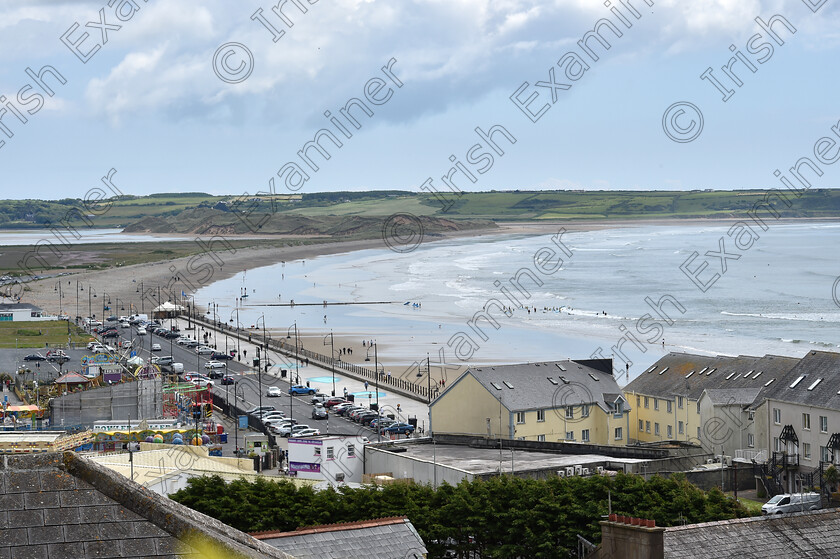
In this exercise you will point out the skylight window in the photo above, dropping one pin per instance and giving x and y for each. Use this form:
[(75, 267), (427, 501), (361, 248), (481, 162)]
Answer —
[(663, 370), (561, 367), (748, 374), (565, 380), (797, 381), (757, 375), (711, 371), (496, 386), (816, 382), (703, 370), (689, 374), (552, 381), (769, 382), (509, 385), (730, 375), (593, 377), (652, 369)]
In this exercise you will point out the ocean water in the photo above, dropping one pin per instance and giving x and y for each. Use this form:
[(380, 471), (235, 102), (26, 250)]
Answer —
[(775, 297), (9, 237)]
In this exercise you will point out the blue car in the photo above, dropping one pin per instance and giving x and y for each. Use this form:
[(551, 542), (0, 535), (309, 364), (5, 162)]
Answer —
[(400, 429), (298, 389)]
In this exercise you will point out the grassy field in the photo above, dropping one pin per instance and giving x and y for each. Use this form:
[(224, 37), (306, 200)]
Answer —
[(39, 333)]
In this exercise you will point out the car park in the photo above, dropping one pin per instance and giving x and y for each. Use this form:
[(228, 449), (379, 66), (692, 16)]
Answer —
[(399, 429), (155, 347), (274, 392), (34, 357), (298, 389), (319, 412), (214, 365)]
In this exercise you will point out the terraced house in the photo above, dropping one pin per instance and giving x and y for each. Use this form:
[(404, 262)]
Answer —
[(573, 400)]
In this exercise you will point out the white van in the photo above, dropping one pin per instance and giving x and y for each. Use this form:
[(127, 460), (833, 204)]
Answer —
[(795, 502), (178, 368)]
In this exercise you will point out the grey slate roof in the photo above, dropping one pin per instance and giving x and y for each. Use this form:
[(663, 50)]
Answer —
[(732, 396), (571, 383), (808, 534), (59, 505), (742, 372), (385, 538), (5, 307), (814, 366)]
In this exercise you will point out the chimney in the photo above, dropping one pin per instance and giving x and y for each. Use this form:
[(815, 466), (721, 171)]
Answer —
[(625, 537)]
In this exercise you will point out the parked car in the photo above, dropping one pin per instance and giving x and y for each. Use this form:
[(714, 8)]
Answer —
[(381, 423), (274, 392), (171, 335), (57, 355), (399, 429), (111, 333), (155, 347), (257, 409), (203, 382), (191, 343), (227, 379), (366, 417), (215, 374), (204, 350), (334, 401), (141, 331), (340, 406), (218, 355), (306, 433), (161, 360), (319, 398), (319, 412), (34, 357), (214, 365), (298, 389), (792, 502), (183, 340)]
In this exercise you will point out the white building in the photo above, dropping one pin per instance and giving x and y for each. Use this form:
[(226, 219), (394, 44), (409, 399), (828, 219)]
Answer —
[(333, 458), (22, 312)]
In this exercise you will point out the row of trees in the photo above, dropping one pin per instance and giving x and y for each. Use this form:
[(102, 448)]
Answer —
[(499, 518)]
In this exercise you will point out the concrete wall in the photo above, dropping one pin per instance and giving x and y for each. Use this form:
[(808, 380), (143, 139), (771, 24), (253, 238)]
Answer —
[(400, 466), (558, 447), (142, 399)]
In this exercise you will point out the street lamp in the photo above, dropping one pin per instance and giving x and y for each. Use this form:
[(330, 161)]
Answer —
[(332, 359), (378, 413), (259, 365), (238, 353), (297, 367)]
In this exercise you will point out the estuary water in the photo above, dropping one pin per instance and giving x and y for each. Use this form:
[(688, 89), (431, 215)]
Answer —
[(775, 297)]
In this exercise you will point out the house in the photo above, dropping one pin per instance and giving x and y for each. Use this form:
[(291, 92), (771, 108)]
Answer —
[(804, 534), (336, 459), (22, 312), (383, 538), (572, 400), (700, 399), (59, 504)]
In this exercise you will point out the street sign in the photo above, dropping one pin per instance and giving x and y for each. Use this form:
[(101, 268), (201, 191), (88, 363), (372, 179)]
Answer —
[(243, 421)]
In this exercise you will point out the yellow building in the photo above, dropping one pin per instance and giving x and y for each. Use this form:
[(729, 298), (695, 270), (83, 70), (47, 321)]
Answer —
[(666, 397), (569, 400)]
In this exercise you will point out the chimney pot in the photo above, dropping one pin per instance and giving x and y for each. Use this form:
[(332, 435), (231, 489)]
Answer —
[(651, 523)]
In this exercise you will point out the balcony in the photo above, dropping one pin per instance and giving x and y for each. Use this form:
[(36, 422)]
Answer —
[(751, 455)]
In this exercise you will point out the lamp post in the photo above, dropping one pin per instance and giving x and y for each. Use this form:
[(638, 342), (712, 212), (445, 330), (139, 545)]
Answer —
[(378, 413), (236, 389), (259, 365), (332, 359), (60, 296), (297, 367), (78, 288)]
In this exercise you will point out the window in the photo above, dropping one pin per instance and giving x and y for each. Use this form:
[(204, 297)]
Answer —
[(570, 435), (750, 440), (584, 435), (647, 426), (777, 416), (317, 451), (520, 417), (540, 415), (351, 451), (646, 402), (698, 433), (656, 403), (618, 434), (584, 410), (680, 402), (541, 438), (618, 409), (806, 421), (330, 455), (669, 405), (641, 425), (806, 451), (656, 429), (570, 412), (698, 407), (670, 431), (823, 424), (825, 454), (751, 415), (638, 401), (681, 428), (776, 446)]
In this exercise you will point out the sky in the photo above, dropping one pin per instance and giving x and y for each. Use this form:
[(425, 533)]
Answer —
[(219, 97)]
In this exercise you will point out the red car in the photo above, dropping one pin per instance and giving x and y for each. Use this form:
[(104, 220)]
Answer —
[(333, 401)]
